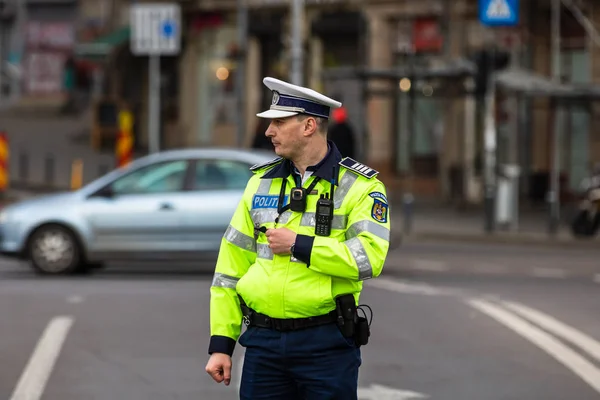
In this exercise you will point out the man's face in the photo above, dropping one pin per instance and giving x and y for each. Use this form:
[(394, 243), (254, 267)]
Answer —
[(287, 136)]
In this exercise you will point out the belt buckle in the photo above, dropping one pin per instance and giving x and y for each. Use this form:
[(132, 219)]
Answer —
[(246, 320)]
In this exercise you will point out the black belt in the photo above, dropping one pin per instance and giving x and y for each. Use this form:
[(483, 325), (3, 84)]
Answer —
[(252, 318)]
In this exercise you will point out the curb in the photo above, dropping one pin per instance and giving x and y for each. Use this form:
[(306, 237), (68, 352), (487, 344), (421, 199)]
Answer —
[(503, 238)]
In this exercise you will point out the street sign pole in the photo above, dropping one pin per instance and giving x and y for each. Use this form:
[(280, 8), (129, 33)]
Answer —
[(154, 117), (240, 74), (490, 148), (297, 48), (155, 32), (493, 13)]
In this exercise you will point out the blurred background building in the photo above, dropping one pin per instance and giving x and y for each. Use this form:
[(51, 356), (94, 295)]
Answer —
[(353, 51)]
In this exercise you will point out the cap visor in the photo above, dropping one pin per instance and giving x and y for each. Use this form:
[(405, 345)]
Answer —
[(274, 114)]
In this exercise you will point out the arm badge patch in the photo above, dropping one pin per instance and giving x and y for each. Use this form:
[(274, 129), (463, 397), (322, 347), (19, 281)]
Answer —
[(379, 211)]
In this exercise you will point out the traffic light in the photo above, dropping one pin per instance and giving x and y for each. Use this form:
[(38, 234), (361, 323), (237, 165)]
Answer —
[(487, 62)]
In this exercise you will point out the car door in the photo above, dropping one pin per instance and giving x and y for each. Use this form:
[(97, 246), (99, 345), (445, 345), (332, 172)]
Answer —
[(141, 211), (217, 187)]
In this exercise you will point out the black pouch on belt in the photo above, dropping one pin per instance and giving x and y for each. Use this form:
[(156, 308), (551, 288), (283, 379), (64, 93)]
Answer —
[(363, 331), (346, 314)]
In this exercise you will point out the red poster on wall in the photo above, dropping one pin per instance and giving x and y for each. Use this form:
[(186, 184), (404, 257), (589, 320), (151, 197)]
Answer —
[(427, 35)]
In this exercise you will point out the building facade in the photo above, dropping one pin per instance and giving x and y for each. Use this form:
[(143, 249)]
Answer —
[(444, 150)]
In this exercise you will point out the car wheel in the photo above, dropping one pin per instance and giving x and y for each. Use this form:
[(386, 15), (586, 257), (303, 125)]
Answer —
[(53, 250)]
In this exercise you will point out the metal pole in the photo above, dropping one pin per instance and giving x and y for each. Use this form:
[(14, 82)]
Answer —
[(1, 60), (240, 74), (297, 53), (408, 199), (490, 147), (553, 195), (154, 103)]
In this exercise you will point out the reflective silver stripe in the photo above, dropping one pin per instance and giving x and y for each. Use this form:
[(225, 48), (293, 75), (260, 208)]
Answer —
[(285, 217), (263, 251), (264, 186), (365, 271), (261, 216), (339, 221), (264, 215), (368, 226), (344, 187), (226, 281), (239, 239)]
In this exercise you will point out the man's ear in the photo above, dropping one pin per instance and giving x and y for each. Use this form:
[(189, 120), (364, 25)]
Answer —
[(310, 126)]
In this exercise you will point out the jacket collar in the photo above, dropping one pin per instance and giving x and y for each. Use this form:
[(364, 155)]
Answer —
[(325, 169)]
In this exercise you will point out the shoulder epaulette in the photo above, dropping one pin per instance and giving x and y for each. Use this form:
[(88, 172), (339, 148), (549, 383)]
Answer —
[(266, 164), (359, 168)]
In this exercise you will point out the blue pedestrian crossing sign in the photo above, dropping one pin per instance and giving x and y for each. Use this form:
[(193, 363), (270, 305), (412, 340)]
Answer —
[(499, 12)]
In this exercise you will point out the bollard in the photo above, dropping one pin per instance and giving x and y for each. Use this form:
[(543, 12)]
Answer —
[(4, 153), (49, 169), (124, 147), (76, 174)]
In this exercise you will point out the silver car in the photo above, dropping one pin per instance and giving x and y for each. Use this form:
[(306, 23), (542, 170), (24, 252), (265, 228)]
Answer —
[(173, 205)]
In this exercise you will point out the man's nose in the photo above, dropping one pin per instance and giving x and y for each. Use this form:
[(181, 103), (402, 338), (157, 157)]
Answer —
[(270, 132)]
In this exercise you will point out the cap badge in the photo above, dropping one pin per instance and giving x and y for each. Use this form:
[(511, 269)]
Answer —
[(275, 98)]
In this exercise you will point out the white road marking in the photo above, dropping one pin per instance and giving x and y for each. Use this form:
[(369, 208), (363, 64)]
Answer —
[(556, 273), (428, 265), (75, 299), (558, 328), (379, 392), (35, 376), (563, 354), (400, 286), (491, 269)]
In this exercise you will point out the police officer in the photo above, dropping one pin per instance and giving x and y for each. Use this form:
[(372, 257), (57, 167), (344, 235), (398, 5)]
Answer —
[(310, 228)]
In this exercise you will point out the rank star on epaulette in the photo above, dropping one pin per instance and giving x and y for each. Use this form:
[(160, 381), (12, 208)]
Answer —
[(266, 164), (359, 168)]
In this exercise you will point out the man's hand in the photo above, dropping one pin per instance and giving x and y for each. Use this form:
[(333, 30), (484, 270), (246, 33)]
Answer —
[(219, 367), (281, 240)]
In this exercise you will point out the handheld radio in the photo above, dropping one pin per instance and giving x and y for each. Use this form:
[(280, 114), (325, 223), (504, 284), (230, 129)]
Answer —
[(324, 211)]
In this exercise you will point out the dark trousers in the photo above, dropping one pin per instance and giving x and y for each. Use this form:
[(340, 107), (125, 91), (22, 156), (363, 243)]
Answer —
[(310, 364)]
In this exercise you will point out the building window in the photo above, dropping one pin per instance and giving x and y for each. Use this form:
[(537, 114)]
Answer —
[(426, 122)]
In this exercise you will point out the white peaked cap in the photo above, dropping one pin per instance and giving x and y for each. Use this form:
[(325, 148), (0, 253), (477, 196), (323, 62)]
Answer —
[(291, 100)]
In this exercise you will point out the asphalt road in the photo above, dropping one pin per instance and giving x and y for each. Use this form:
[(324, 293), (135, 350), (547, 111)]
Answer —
[(134, 332)]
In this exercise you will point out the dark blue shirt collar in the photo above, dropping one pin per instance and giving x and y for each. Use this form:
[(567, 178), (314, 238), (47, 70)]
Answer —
[(324, 169)]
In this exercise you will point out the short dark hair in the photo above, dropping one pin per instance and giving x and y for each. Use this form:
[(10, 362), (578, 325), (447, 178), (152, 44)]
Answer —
[(322, 123)]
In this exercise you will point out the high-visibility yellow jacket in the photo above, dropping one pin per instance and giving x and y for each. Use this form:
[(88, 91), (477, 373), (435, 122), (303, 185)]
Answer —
[(304, 284)]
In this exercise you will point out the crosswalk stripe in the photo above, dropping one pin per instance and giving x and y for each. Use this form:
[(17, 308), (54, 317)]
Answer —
[(576, 337), (552, 346)]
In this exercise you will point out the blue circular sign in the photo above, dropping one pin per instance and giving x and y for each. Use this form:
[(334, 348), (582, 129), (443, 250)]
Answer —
[(168, 28)]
